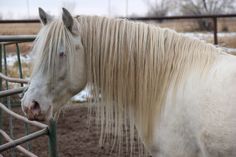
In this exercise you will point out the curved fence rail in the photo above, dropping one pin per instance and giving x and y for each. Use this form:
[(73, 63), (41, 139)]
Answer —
[(48, 130), (21, 149), (45, 129)]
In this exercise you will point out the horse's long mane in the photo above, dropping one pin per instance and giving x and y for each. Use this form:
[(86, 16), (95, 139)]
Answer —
[(131, 66)]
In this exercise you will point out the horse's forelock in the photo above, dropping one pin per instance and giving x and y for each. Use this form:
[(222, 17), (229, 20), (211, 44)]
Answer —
[(48, 44)]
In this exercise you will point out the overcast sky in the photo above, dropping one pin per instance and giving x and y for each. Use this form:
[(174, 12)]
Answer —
[(19, 8)]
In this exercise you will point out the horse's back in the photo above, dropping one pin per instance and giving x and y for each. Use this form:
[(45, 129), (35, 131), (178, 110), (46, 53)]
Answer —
[(201, 120)]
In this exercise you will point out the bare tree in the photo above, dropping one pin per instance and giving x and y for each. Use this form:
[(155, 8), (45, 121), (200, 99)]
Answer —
[(158, 8), (203, 7)]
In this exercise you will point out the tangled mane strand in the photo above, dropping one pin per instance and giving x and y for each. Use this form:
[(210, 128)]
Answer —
[(131, 65)]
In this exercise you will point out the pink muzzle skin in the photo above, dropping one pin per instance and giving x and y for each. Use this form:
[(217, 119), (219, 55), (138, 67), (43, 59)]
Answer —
[(33, 112)]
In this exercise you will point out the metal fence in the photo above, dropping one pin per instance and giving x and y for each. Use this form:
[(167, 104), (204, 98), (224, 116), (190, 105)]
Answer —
[(6, 93)]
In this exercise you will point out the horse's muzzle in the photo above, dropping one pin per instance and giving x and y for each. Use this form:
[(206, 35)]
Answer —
[(33, 111)]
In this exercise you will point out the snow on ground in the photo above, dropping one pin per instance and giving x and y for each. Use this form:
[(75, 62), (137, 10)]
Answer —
[(12, 59), (230, 50), (208, 35), (82, 96)]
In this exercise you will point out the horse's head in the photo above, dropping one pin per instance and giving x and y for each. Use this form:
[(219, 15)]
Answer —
[(59, 66)]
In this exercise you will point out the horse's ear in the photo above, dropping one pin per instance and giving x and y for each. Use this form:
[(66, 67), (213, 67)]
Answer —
[(67, 19), (44, 17)]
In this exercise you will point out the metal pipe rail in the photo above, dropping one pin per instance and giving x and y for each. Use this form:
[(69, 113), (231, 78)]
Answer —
[(182, 17), (10, 92), (13, 91), (20, 21), (138, 18), (17, 116), (16, 38), (45, 130), (13, 143), (20, 148), (14, 80), (24, 139)]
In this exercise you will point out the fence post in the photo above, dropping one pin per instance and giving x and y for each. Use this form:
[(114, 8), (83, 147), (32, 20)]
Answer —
[(27, 128), (1, 116), (13, 152), (19, 62), (215, 30), (52, 136)]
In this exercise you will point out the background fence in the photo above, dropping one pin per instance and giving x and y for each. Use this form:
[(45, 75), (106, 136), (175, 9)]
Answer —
[(214, 18), (211, 17)]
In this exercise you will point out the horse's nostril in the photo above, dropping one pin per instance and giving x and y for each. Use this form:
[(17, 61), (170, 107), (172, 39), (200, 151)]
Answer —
[(35, 105), (34, 110)]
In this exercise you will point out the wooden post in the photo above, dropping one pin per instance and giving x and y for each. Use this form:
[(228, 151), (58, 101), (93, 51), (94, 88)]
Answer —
[(215, 30), (1, 116)]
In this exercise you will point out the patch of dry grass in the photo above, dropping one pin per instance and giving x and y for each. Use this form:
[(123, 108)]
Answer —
[(229, 41), (13, 71), (191, 25), (24, 47), (19, 29)]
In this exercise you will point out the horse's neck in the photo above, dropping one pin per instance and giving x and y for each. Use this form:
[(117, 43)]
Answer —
[(135, 64)]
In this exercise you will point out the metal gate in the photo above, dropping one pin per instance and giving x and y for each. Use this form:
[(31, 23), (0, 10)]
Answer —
[(6, 105)]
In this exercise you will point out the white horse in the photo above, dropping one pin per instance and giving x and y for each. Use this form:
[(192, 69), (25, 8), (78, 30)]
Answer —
[(179, 93)]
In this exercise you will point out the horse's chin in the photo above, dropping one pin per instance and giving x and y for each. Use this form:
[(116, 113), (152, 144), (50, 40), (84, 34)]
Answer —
[(46, 116), (41, 118)]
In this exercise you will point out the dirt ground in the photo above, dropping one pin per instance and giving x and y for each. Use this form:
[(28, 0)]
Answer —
[(76, 138)]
